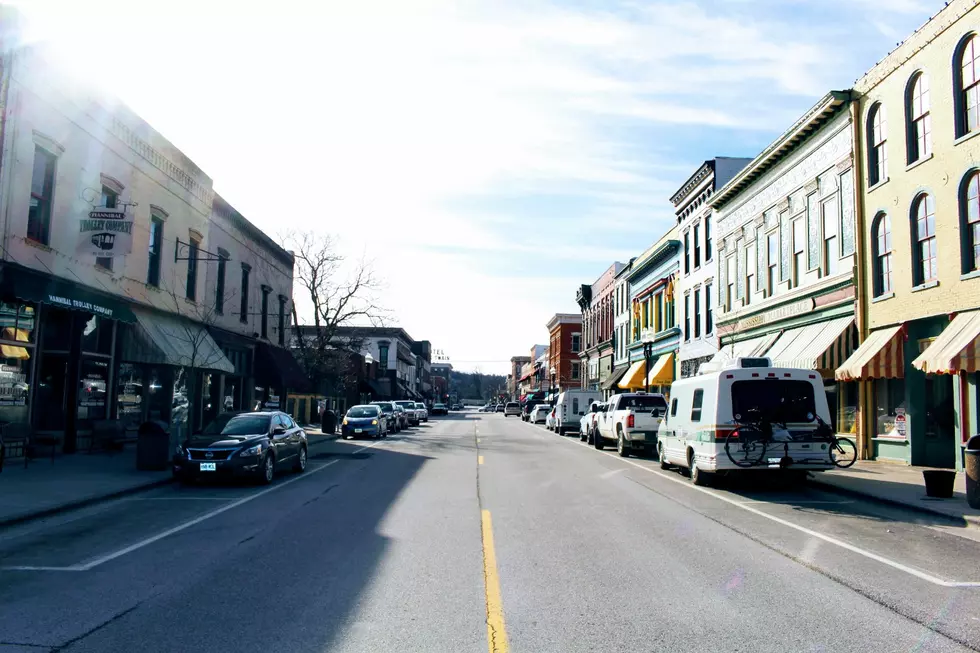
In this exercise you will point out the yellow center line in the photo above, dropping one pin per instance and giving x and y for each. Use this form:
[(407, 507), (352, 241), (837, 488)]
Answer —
[(479, 460), (496, 633)]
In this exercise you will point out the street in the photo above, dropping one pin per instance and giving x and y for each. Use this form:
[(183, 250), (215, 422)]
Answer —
[(477, 531)]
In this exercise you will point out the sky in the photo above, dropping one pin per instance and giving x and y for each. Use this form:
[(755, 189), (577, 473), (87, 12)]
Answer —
[(484, 157)]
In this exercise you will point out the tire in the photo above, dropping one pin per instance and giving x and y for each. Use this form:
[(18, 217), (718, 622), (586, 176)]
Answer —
[(843, 452), (590, 436), (661, 456), (699, 478), (597, 441), (582, 435), (621, 448), (301, 461), (268, 471)]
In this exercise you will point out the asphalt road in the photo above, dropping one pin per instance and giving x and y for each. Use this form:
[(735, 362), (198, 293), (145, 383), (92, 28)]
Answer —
[(417, 542)]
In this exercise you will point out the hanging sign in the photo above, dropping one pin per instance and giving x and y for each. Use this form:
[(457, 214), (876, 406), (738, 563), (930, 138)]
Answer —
[(105, 233)]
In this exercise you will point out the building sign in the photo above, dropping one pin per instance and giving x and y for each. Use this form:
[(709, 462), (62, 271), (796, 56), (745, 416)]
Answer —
[(105, 233), (79, 305), (801, 307), (901, 422)]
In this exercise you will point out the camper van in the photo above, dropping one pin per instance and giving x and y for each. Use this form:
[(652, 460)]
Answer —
[(570, 407), (738, 396)]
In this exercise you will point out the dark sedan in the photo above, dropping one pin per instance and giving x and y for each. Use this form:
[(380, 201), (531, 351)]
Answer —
[(391, 415), (439, 409), (251, 445), (364, 421)]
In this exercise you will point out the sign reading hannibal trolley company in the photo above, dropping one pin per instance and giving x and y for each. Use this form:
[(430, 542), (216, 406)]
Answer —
[(105, 233)]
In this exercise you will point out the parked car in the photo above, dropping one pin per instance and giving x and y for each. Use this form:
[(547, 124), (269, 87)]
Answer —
[(389, 411), (366, 420), (252, 445), (439, 409), (632, 421), (423, 411), (401, 415), (499, 408), (214, 426), (512, 408), (587, 424), (539, 414), (411, 412), (457, 406), (570, 406)]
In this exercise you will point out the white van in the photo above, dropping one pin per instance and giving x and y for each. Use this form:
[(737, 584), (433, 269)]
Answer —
[(739, 397), (570, 407)]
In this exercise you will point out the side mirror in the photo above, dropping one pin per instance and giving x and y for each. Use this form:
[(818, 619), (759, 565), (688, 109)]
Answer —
[(278, 430)]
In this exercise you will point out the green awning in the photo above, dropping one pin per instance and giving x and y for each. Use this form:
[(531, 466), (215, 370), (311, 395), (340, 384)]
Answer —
[(31, 286), (167, 339)]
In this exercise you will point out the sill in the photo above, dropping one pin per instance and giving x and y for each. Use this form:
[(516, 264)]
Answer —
[(877, 185), (888, 438), (103, 270), (150, 286), (917, 162), (188, 300), (966, 137), (925, 286), (881, 298), (970, 275), (37, 243)]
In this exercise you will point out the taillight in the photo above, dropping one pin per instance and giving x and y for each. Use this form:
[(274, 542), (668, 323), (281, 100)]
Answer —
[(629, 421)]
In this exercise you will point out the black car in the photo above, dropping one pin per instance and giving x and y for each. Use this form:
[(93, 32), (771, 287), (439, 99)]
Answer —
[(250, 445), (439, 409), (364, 421), (388, 410)]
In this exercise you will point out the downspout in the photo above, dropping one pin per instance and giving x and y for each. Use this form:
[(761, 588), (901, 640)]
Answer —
[(860, 273)]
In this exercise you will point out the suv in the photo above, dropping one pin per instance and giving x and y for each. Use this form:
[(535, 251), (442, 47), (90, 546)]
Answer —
[(512, 408), (411, 412)]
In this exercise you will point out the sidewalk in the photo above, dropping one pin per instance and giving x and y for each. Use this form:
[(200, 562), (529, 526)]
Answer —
[(76, 480), (900, 485)]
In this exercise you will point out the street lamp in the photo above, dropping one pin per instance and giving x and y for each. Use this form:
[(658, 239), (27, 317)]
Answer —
[(647, 355), (552, 386)]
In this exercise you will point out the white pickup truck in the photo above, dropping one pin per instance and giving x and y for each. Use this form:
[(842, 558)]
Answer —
[(632, 421)]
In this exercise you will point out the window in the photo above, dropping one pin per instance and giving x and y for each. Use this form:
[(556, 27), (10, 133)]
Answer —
[(831, 249), (708, 323), (925, 263), (192, 268), (576, 342), (265, 311), (730, 278), (109, 200), (219, 290), (156, 245), (659, 311), (751, 265), (696, 405), (919, 122), (970, 222), (697, 246), (707, 239), (687, 252), (799, 251), (967, 80), (42, 193), (697, 312), (576, 371), (383, 355), (881, 244), (673, 407), (772, 263), (877, 151), (687, 317), (244, 301)]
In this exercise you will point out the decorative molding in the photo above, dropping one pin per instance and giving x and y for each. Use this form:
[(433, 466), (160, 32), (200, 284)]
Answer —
[(159, 212), (112, 183), (811, 187), (760, 221), (48, 143), (845, 163)]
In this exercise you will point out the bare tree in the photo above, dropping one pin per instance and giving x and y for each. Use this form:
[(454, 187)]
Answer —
[(340, 293)]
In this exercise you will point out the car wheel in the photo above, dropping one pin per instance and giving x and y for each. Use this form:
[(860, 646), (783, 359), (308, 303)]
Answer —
[(597, 441), (582, 435), (300, 465), (590, 436), (699, 478), (661, 455), (268, 470), (621, 447)]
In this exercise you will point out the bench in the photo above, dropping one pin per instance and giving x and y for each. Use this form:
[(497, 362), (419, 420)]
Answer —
[(110, 434)]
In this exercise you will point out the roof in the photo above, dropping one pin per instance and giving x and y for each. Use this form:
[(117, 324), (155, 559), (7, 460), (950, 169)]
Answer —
[(826, 108), (221, 206)]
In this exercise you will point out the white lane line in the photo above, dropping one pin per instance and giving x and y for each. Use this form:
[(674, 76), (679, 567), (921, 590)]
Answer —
[(176, 529), (826, 538), (791, 502), (180, 498)]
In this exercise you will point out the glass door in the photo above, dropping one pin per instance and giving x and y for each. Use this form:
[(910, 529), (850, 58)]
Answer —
[(52, 392), (939, 450)]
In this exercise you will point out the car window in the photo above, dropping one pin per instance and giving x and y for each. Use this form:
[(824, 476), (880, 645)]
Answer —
[(696, 406), (247, 425), (643, 403), (673, 407), (363, 411)]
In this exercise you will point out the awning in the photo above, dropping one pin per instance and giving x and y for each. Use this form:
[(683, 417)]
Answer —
[(634, 376), (814, 345), (372, 387), (956, 349), (663, 370), (32, 286), (614, 376), (746, 348), (880, 356), (166, 339), (283, 365)]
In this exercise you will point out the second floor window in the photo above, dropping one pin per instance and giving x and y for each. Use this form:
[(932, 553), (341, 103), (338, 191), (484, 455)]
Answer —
[(243, 308), (882, 254), (707, 239), (877, 146), (155, 252), (687, 252), (110, 199), (282, 320), (195, 245), (576, 371), (751, 265), (831, 250), (219, 289), (383, 356), (730, 288), (687, 317), (970, 212), (925, 256), (708, 316), (265, 311), (576, 342), (919, 121), (42, 194), (697, 246), (697, 313), (799, 251), (772, 263)]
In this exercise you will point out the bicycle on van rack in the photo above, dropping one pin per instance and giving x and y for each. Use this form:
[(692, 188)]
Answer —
[(747, 445)]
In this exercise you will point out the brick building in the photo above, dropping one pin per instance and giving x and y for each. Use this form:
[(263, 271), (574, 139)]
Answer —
[(565, 343), (596, 302)]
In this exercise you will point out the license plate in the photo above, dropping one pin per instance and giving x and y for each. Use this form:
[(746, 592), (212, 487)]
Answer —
[(209, 467), (358, 430), (774, 461)]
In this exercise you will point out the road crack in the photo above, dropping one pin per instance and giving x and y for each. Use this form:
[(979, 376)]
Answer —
[(107, 622)]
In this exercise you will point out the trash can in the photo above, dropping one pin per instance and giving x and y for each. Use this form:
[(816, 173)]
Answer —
[(971, 462), (939, 483), (153, 446)]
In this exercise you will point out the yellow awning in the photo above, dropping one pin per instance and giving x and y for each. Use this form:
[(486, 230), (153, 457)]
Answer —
[(956, 349), (663, 371), (634, 376)]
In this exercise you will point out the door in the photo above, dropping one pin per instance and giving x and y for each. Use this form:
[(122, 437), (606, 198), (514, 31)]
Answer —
[(939, 445), (280, 439), (296, 433), (52, 393)]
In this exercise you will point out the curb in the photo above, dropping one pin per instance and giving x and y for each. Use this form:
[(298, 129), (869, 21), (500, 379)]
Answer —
[(961, 520)]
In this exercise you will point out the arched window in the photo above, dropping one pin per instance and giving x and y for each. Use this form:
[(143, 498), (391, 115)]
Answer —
[(966, 83), (925, 264), (882, 254), (919, 123), (970, 221), (877, 150)]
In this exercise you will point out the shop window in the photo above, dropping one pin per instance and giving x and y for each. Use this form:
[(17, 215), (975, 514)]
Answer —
[(17, 324), (847, 413), (15, 383), (42, 194), (129, 395), (110, 200), (918, 120), (180, 404), (925, 254), (970, 222), (877, 145), (889, 404), (966, 80), (93, 396)]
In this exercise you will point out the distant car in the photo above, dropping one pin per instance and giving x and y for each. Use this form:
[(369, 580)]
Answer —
[(457, 406), (391, 415), (439, 409), (402, 415), (512, 408), (252, 445), (411, 412), (422, 411), (499, 408), (364, 421), (539, 414)]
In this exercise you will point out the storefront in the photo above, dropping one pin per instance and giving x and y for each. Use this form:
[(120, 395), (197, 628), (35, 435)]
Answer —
[(279, 379)]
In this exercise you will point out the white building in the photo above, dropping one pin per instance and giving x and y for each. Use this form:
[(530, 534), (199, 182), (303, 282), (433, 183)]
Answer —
[(621, 329), (696, 283)]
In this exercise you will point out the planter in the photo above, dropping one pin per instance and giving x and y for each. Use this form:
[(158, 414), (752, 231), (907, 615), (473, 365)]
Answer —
[(939, 483)]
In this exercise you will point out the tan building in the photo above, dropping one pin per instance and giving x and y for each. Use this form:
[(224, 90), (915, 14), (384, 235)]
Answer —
[(916, 115)]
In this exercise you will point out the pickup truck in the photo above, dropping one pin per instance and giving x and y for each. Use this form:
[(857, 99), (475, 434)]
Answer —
[(632, 421)]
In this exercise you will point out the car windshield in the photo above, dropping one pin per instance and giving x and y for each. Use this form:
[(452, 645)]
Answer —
[(363, 411), (247, 425), (643, 403), (219, 422), (781, 400), (386, 407), (513, 405)]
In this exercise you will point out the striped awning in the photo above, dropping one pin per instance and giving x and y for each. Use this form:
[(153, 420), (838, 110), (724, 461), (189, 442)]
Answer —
[(662, 372), (880, 356), (823, 345), (746, 348), (956, 349), (634, 376)]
